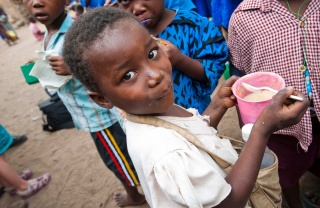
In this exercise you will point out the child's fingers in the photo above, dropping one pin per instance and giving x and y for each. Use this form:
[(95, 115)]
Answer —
[(54, 63), (302, 106), (298, 108), (54, 58), (57, 70), (229, 82), (108, 2), (284, 94), (160, 40)]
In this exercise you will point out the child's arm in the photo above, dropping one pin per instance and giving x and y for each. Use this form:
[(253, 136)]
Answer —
[(277, 115), (58, 65), (182, 62)]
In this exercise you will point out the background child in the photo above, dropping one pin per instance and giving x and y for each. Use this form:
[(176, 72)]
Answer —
[(4, 35), (78, 10), (37, 33), (124, 66), (194, 45), (7, 25), (103, 125), (281, 37)]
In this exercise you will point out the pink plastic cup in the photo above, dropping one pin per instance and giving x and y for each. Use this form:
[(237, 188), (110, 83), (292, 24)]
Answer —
[(250, 111)]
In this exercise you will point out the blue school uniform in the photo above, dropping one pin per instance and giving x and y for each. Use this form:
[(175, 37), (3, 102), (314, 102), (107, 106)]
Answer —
[(200, 39)]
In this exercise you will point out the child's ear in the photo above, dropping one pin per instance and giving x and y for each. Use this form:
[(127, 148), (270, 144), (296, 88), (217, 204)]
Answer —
[(100, 100)]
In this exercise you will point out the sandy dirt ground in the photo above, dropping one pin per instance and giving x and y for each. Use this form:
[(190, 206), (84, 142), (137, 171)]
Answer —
[(79, 177)]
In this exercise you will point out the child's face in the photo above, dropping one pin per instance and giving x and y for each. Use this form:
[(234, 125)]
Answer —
[(147, 11), (132, 72), (46, 11)]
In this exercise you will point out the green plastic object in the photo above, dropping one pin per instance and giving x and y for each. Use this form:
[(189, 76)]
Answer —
[(226, 72), (26, 70)]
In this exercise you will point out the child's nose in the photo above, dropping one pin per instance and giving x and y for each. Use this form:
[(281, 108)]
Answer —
[(154, 77), (37, 3), (137, 8)]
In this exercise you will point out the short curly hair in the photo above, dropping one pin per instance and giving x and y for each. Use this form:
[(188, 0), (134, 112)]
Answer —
[(84, 32)]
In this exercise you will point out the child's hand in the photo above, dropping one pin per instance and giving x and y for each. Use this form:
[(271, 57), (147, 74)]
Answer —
[(110, 3), (282, 112), (58, 65), (223, 100), (171, 51), (224, 97)]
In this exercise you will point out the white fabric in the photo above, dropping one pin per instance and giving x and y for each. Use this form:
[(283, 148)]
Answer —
[(172, 171), (43, 71)]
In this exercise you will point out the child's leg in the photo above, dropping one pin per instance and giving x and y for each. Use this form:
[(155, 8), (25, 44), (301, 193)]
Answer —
[(112, 147), (10, 177)]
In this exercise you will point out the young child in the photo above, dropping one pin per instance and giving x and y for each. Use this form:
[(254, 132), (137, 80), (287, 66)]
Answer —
[(37, 33), (194, 45), (283, 37), (102, 124), (123, 65)]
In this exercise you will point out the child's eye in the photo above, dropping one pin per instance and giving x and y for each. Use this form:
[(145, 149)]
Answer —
[(128, 76), (152, 54), (123, 1)]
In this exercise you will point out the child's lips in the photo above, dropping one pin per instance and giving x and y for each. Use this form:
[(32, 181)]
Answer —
[(165, 93), (144, 22), (41, 16)]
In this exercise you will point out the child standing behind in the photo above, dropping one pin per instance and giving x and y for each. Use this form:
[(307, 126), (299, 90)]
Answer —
[(124, 66), (37, 33), (103, 126), (283, 37), (194, 45)]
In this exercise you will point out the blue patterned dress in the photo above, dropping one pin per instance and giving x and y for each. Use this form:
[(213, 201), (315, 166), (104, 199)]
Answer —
[(5, 140), (200, 39)]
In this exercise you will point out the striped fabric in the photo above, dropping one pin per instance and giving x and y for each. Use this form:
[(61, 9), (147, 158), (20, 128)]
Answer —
[(118, 157)]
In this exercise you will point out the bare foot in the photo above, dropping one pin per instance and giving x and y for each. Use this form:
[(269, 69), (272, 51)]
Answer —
[(122, 199)]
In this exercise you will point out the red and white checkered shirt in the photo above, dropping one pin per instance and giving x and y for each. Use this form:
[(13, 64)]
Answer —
[(265, 36)]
